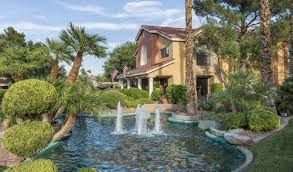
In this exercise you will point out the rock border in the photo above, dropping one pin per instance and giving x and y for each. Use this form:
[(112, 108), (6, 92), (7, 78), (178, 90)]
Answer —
[(248, 159), (182, 119)]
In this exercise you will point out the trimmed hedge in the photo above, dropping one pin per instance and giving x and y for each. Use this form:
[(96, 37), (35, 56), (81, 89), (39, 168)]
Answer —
[(2, 92), (262, 118), (235, 120), (29, 99), (40, 165), (134, 103), (111, 98), (27, 139), (135, 93), (217, 88), (156, 94), (177, 94)]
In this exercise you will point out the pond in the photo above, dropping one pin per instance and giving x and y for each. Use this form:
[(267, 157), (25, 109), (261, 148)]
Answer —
[(179, 148)]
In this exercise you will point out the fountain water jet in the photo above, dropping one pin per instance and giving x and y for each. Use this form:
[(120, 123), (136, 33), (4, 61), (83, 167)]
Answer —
[(141, 121), (119, 124), (157, 129)]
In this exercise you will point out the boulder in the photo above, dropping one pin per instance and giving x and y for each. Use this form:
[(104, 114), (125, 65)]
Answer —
[(237, 139), (217, 132), (206, 124)]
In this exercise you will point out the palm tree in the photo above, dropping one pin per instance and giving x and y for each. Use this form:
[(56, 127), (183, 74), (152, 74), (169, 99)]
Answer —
[(82, 43), (60, 52), (266, 70), (189, 73)]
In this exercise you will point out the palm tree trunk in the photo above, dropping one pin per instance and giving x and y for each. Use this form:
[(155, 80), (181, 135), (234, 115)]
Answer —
[(73, 74), (54, 69), (59, 112), (189, 73), (66, 128), (266, 70)]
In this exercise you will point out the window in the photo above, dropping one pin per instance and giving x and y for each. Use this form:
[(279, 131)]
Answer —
[(165, 52), (143, 56), (202, 56)]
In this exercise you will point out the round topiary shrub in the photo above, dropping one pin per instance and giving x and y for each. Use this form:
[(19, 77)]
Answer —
[(111, 98), (135, 93), (262, 118), (176, 94), (29, 99), (85, 169), (40, 165), (27, 139), (235, 120), (156, 94), (134, 103), (217, 88)]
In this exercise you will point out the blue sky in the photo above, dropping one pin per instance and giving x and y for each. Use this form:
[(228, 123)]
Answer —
[(117, 20)]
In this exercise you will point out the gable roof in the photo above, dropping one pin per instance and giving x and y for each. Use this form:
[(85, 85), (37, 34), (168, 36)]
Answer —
[(171, 33)]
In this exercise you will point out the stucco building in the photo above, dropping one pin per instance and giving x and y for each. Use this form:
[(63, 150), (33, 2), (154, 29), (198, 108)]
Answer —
[(160, 61)]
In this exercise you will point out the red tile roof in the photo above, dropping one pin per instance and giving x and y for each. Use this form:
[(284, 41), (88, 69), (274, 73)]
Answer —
[(145, 69), (168, 32)]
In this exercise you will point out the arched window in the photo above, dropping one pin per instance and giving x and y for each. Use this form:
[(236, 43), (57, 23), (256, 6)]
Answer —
[(143, 55)]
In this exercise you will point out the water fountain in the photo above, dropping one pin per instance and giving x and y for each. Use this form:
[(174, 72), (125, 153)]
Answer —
[(119, 124), (157, 129), (141, 122)]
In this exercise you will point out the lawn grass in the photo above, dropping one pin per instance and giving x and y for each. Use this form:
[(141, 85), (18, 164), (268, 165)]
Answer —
[(274, 153)]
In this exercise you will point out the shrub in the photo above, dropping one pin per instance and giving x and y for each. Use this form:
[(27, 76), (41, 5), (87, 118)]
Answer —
[(135, 93), (134, 103), (285, 97), (2, 92), (111, 98), (28, 98), (177, 94), (262, 118), (205, 105), (84, 169), (27, 139), (40, 165), (156, 94), (234, 120), (217, 88)]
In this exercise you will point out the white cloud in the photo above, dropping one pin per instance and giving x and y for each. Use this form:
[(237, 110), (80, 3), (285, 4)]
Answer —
[(148, 10), (110, 26), (29, 26), (88, 8)]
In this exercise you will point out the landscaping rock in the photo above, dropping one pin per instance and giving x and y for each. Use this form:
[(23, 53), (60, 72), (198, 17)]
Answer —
[(237, 139), (217, 132), (236, 131), (206, 124)]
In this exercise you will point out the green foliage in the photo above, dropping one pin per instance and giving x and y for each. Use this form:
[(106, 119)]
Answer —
[(123, 55), (235, 120), (133, 103), (27, 139), (217, 88), (2, 92), (82, 42), (285, 97), (135, 93), (242, 92), (205, 105), (29, 99), (40, 165), (85, 169), (262, 119), (110, 98), (59, 50), (156, 94), (177, 94)]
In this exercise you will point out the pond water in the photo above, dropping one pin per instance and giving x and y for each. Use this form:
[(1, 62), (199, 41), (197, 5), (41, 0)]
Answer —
[(180, 148)]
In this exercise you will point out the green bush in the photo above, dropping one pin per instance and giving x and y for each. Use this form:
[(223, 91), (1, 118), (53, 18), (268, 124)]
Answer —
[(217, 88), (262, 118), (27, 139), (285, 97), (235, 120), (176, 94), (2, 92), (40, 165), (135, 93), (29, 99), (134, 103), (156, 94), (111, 98), (205, 105), (85, 169)]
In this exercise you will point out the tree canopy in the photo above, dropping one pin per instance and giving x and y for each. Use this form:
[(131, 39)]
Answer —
[(123, 55)]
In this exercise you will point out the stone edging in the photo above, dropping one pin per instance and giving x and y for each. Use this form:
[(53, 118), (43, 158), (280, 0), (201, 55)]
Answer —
[(182, 119), (248, 158)]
